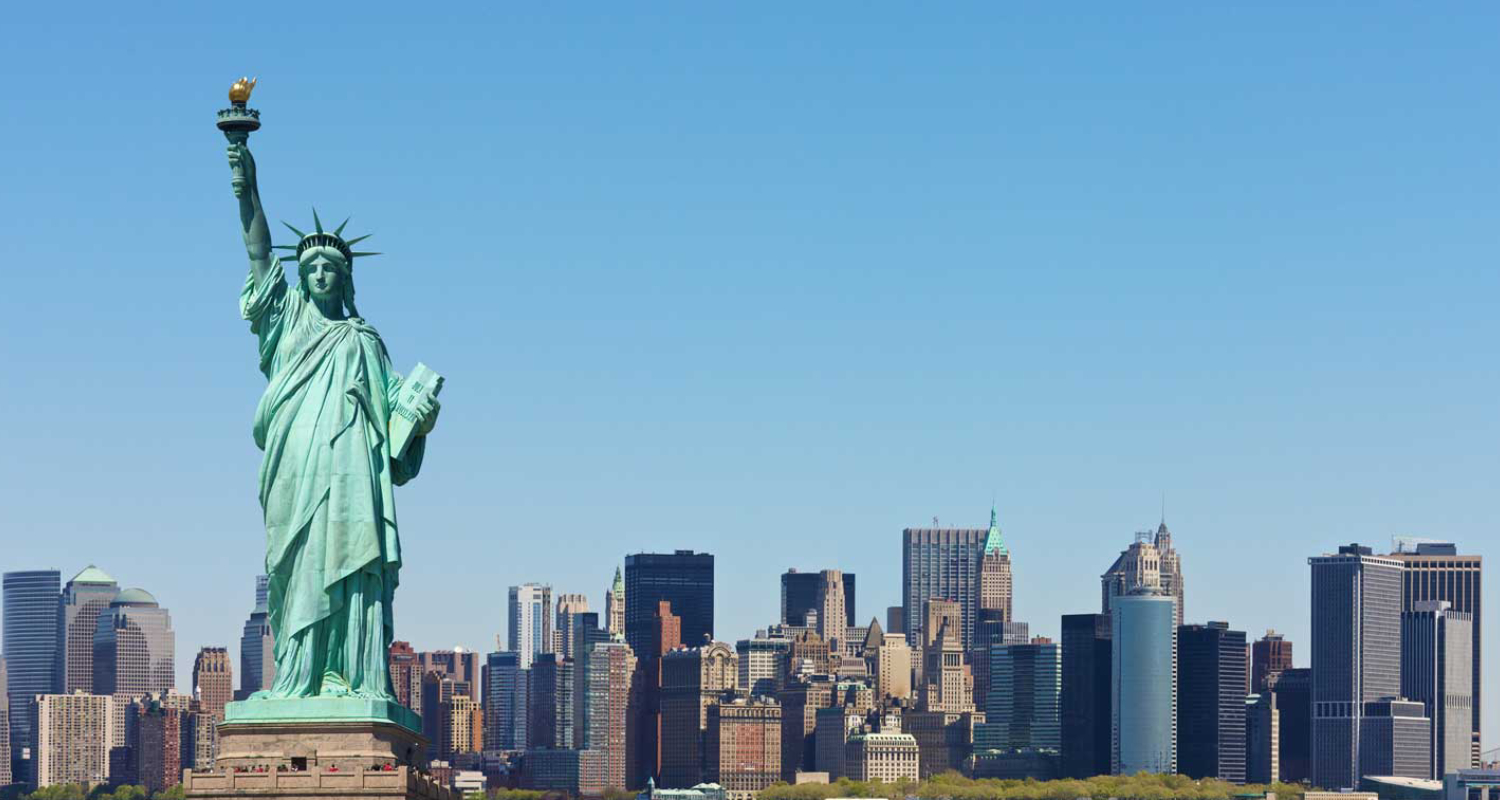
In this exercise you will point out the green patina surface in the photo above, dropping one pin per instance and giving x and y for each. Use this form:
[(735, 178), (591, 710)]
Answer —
[(322, 709)]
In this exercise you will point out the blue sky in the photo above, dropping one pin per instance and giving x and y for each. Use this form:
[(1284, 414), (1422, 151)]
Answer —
[(774, 282)]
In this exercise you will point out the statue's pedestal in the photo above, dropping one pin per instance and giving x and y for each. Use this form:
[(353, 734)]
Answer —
[(321, 747)]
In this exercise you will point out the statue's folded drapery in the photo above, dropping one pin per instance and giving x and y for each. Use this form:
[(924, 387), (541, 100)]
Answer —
[(332, 551)]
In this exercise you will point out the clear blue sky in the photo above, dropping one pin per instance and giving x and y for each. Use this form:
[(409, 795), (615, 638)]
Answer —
[(774, 281)]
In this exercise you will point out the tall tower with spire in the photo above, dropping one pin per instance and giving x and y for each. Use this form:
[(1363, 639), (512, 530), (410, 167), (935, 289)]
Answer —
[(995, 587), (614, 607)]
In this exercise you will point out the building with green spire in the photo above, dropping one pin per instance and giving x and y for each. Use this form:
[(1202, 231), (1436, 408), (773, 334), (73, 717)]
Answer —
[(614, 607), (995, 587)]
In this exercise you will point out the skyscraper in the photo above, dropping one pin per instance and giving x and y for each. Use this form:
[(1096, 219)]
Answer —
[(1025, 688), (586, 635), (5, 758), (258, 645), (1087, 661), (1149, 561), (1211, 702), (994, 573), (562, 632), (612, 692), (213, 682), (406, 675), (614, 606), (1437, 650), (763, 663), (683, 578), (30, 646), (832, 612), (1293, 691), (85, 597), (1356, 655), (941, 564), (1270, 655), (799, 595), (1262, 738), (1436, 571), (666, 636), (505, 701), (74, 735), (134, 646), (691, 680), (1143, 683), (551, 703), (530, 621)]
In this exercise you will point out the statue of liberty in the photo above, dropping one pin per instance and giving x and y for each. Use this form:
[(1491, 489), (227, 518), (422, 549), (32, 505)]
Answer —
[(332, 551)]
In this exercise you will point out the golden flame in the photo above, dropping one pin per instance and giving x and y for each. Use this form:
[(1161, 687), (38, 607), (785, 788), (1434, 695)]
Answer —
[(240, 91)]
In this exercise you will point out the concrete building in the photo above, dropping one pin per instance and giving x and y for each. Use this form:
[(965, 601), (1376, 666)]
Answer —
[(1087, 662), (886, 757), (612, 693), (800, 701), (1437, 571), (1150, 561), (799, 595), (213, 681), (134, 647), (1437, 656), (947, 684), (833, 608), (692, 679), (995, 584), (1395, 739), (1293, 691), (30, 603), (742, 746), (893, 667), (73, 738), (258, 645), (685, 580), (941, 564), (1356, 655), (1262, 739), (1269, 656), (505, 701), (530, 632), (762, 663), (85, 597), (568, 605), (614, 606), (1211, 702), (1023, 701), (945, 739), (461, 727), (1143, 683)]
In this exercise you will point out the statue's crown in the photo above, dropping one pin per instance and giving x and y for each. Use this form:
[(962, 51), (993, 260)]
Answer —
[(322, 238)]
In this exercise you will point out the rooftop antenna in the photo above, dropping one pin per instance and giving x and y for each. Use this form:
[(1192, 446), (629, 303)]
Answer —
[(934, 522), (1164, 507)]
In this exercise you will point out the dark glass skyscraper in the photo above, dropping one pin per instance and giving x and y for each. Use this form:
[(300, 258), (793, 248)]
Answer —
[(1356, 655), (799, 595), (30, 645), (1211, 702), (1086, 664), (1293, 689), (505, 699), (257, 645), (685, 579)]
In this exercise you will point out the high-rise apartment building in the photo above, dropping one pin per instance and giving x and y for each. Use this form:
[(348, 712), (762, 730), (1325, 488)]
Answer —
[(30, 602), (1262, 738), (551, 712), (612, 695), (692, 679), (1437, 653), (1087, 662), (505, 701), (213, 681), (995, 587), (258, 645), (1268, 657), (164, 732), (73, 738), (84, 598), (683, 578), (1150, 561), (134, 647), (1022, 709), (742, 746), (1143, 683), (461, 727), (1293, 691), (406, 675), (614, 606), (459, 665), (1436, 571), (1211, 702), (1356, 655), (799, 595), (941, 564), (530, 621), (568, 605)]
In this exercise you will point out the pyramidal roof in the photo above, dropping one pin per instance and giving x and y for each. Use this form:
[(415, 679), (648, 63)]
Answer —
[(993, 542), (619, 584), (92, 574)]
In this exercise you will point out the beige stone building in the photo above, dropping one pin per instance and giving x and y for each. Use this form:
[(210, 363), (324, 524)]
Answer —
[(74, 735), (1149, 561), (893, 667), (742, 747), (887, 757), (213, 682)]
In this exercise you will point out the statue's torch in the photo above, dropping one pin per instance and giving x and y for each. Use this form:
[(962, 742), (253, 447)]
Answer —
[(237, 122)]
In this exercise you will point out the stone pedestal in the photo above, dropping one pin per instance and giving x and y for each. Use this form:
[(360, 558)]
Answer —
[(314, 748)]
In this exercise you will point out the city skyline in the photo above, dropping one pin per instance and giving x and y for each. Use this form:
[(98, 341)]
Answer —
[(776, 292)]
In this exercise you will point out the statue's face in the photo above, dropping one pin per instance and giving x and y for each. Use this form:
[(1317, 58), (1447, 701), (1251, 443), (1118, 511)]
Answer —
[(323, 269)]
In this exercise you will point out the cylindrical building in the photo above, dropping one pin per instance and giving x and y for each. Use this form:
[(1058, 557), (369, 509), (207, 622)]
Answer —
[(1144, 683)]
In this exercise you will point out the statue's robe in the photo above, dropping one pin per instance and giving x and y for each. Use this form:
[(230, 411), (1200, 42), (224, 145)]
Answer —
[(332, 553)]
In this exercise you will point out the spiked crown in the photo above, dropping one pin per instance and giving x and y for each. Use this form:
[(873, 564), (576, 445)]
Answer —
[(322, 238)]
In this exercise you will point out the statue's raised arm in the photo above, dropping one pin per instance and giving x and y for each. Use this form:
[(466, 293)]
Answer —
[(237, 122)]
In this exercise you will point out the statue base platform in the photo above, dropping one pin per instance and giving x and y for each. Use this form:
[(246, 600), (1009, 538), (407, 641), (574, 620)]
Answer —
[(315, 748)]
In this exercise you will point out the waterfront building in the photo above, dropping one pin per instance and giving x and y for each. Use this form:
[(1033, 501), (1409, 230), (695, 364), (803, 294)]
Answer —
[(1356, 655), (1087, 662), (1211, 702), (1143, 683)]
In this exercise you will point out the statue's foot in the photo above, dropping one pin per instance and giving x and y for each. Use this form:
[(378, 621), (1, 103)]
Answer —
[(335, 685), (263, 694)]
